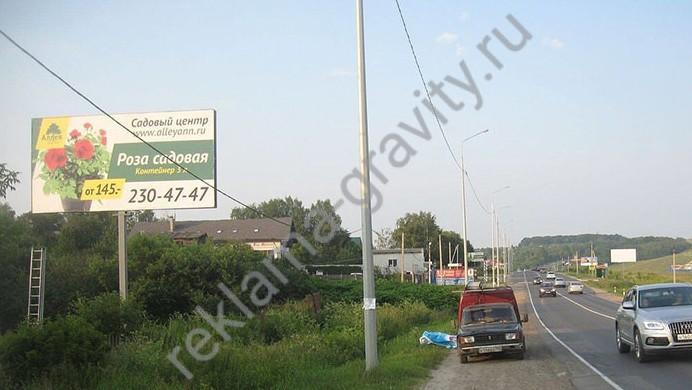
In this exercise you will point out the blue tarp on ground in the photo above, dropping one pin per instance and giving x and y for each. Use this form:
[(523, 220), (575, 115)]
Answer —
[(440, 339)]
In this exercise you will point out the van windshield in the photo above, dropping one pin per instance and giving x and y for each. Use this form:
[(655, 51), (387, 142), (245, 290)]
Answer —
[(488, 314)]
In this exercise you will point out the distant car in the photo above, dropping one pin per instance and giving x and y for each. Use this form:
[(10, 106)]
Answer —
[(655, 319), (537, 281), (550, 275), (547, 288), (575, 288), (560, 282)]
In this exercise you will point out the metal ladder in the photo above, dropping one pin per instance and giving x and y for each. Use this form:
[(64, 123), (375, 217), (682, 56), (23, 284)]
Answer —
[(37, 284)]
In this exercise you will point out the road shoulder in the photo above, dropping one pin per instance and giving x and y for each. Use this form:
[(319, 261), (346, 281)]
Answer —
[(540, 365)]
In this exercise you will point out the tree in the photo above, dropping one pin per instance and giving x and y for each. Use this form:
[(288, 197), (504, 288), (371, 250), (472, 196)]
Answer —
[(385, 240), (8, 178), (15, 244), (455, 239), (319, 224), (420, 229), (139, 216)]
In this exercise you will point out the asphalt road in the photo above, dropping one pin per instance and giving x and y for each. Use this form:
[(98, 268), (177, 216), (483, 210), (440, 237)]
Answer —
[(576, 351)]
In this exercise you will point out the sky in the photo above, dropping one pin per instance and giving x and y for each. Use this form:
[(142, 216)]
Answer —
[(588, 123)]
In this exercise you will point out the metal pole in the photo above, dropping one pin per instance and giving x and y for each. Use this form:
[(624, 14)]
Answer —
[(366, 215), (463, 207), (497, 248), (439, 244), (673, 265), (504, 258), (492, 240), (429, 264), (122, 256), (402, 257)]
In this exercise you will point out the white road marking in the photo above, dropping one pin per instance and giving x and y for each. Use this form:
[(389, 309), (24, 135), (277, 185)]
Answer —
[(581, 359), (587, 309)]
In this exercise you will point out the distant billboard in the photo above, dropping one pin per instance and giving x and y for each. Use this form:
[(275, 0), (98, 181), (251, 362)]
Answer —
[(90, 163), (623, 255)]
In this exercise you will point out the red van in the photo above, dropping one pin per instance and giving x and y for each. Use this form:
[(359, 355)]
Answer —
[(489, 322)]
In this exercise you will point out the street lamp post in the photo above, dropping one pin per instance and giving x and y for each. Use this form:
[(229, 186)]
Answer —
[(463, 205), (429, 263), (495, 239), (370, 321)]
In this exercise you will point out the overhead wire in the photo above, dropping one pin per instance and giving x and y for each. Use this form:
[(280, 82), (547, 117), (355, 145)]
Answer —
[(104, 112), (432, 105)]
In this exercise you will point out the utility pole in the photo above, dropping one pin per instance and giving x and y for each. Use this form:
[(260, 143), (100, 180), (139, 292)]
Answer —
[(429, 263), (492, 240), (439, 244), (463, 204), (449, 255), (402, 257), (576, 260), (497, 244), (369, 302), (674, 280), (506, 260)]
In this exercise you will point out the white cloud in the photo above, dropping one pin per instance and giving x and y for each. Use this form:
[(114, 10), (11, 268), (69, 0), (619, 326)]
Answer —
[(464, 16), (553, 43), (340, 72), (460, 51), (447, 38)]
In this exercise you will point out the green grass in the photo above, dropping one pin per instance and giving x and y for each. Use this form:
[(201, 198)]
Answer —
[(404, 363), (303, 352), (660, 265), (641, 272)]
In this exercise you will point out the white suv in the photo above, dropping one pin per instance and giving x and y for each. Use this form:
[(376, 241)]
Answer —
[(550, 275)]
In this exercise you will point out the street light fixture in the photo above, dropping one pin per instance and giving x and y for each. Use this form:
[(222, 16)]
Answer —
[(463, 204)]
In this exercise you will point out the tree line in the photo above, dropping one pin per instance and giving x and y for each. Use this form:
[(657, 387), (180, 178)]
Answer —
[(532, 251)]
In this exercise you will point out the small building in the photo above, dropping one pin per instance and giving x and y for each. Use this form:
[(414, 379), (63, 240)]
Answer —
[(262, 234), (388, 260)]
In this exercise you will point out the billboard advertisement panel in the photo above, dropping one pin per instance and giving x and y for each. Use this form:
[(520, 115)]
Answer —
[(90, 163), (623, 255)]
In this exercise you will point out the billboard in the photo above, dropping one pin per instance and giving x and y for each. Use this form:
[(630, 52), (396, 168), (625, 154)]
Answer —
[(623, 255), (90, 163)]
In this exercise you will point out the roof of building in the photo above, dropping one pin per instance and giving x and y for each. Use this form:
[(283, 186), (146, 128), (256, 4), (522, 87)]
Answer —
[(395, 251), (247, 230)]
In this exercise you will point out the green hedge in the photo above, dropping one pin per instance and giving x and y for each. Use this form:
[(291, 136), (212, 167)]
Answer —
[(444, 298)]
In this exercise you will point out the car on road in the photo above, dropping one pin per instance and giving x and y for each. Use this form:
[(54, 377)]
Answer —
[(655, 319), (489, 323), (560, 282), (490, 328), (537, 281), (547, 288), (575, 288), (550, 275)]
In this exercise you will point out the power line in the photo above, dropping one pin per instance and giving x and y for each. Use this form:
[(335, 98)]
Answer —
[(475, 194), (80, 94), (434, 109), (425, 86)]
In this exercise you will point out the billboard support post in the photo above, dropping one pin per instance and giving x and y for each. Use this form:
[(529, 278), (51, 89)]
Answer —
[(122, 256)]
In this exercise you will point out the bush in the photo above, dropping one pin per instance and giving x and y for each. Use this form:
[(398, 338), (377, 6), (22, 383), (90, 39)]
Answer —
[(442, 298), (65, 342), (284, 321), (109, 315)]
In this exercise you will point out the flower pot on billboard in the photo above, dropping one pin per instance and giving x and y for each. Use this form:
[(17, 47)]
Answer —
[(76, 205)]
